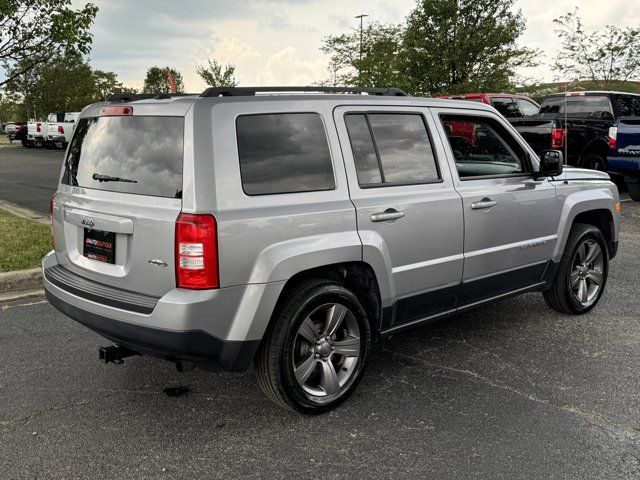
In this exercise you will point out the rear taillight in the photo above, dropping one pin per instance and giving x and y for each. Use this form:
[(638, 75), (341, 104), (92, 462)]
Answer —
[(558, 136), (196, 251), (53, 240), (613, 138), (38, 127), (60, 129)]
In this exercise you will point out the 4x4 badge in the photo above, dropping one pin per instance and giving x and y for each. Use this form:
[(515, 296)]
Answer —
[(87, 222), (157, 262)]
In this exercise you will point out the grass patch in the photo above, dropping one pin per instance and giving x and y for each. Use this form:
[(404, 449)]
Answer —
[(23, 242)]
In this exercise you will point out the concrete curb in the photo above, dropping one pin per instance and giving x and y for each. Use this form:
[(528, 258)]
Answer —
[(24, 212), (20, 281)]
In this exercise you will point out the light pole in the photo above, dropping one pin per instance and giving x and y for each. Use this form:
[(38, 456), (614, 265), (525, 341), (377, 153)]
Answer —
[(361, 17)]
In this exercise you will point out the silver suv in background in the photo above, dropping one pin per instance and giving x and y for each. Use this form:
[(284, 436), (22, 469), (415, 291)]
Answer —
[(290, 230)]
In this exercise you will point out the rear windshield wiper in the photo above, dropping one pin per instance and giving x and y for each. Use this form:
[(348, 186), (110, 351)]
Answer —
[(109, 178)]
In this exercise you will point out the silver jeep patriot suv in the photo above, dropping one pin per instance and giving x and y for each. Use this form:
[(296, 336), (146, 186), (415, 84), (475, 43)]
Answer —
[(290, 229)]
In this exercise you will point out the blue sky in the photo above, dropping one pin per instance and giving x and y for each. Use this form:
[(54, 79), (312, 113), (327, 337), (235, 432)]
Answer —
[(276, 42)]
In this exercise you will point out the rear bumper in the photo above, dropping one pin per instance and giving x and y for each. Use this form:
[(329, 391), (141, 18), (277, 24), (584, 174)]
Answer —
[(57, 138), (208, 352), (628, 166), (218, 330)]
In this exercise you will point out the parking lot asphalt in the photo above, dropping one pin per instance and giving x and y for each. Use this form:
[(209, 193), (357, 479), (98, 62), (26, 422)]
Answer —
[(29, 176), (512, 390)]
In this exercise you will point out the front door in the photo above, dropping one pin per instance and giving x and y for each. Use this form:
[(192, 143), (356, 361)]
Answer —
[(408, 212), (509, 217)]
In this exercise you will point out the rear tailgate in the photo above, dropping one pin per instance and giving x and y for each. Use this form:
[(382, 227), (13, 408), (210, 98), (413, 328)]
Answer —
[(536, 131), (119, 197)]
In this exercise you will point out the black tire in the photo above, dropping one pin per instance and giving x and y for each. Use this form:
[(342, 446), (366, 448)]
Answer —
[(634, 190), (59, 145), (25, 143), (37, 144), (593, 161), (560, 296), (274, 361)]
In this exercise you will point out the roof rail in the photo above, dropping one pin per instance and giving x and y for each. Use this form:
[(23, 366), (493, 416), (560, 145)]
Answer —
[(249, 91), (132, 97)]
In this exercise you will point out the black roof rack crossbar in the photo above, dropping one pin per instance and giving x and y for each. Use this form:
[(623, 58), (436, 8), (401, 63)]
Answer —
[(132, 97), (248, 91)]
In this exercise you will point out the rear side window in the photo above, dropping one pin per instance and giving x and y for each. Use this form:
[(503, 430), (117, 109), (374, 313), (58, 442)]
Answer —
[(578, 106), (506, 106), (283, 153), (128, 154), (629, 105), (391, 149)]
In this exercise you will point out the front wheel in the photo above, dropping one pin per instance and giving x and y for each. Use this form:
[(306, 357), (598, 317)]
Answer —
[(583, 272), (315, 353), (634, 190)]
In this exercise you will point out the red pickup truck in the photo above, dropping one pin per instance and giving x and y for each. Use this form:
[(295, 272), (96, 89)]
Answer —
[(510, 106)]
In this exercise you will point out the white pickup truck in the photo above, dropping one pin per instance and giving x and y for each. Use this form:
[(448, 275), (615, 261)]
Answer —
[(36, 133), (59, 128)]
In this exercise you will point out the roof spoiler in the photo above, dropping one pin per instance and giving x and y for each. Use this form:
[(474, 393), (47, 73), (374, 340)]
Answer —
[(132, 97)]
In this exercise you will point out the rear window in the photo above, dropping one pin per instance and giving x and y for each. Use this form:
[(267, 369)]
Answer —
[(128, 154), (283, 153), (578, 106)]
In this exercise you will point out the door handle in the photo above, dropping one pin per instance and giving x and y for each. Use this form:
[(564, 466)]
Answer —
[(483, 204), (390, 214)]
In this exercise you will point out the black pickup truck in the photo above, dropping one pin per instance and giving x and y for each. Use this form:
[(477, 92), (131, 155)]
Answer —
[(578, 123)]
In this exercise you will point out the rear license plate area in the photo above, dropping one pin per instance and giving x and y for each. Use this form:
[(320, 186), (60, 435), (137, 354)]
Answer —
[(99, 246)]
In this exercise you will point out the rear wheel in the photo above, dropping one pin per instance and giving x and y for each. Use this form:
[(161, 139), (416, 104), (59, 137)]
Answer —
[(314, 355), (583, 272), (634, 190), (593, 161), (58, 145)]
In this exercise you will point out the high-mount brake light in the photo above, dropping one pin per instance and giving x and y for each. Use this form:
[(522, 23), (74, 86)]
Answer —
[(117, 111), (558, 136), (197, 252)]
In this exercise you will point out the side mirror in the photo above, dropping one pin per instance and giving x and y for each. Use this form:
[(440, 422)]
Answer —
[(551, 163)]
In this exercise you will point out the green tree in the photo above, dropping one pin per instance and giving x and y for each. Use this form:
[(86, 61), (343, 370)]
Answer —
[(157, 80), (106, 83), (600, 56), (63, 84), (32, 31), (217, 75), (454, 46), (379, 65)]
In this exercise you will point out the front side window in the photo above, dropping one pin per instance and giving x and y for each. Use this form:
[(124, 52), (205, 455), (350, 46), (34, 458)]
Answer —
[(283, 153), (527, 109), (482, 147), (391, 149)]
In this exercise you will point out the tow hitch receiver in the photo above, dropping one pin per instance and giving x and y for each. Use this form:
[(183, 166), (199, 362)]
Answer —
[(115, 354)]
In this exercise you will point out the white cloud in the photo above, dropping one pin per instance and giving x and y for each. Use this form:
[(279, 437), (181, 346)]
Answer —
[(277, 41)]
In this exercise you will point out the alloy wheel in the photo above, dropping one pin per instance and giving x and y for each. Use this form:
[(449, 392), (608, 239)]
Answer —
[(326, 350), (587, 272)]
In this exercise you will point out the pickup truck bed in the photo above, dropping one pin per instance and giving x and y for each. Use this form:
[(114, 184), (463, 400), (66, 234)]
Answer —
[(624, 158)]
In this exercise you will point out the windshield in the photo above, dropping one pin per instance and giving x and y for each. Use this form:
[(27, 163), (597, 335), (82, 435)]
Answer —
[(128, 154)]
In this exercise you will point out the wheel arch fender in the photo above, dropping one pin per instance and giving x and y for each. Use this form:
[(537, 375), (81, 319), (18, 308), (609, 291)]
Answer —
[(578, 203)]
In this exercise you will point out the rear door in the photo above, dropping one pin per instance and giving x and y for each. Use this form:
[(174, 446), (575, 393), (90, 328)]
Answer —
[(119, 196), (409, 215), (509, 232)]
